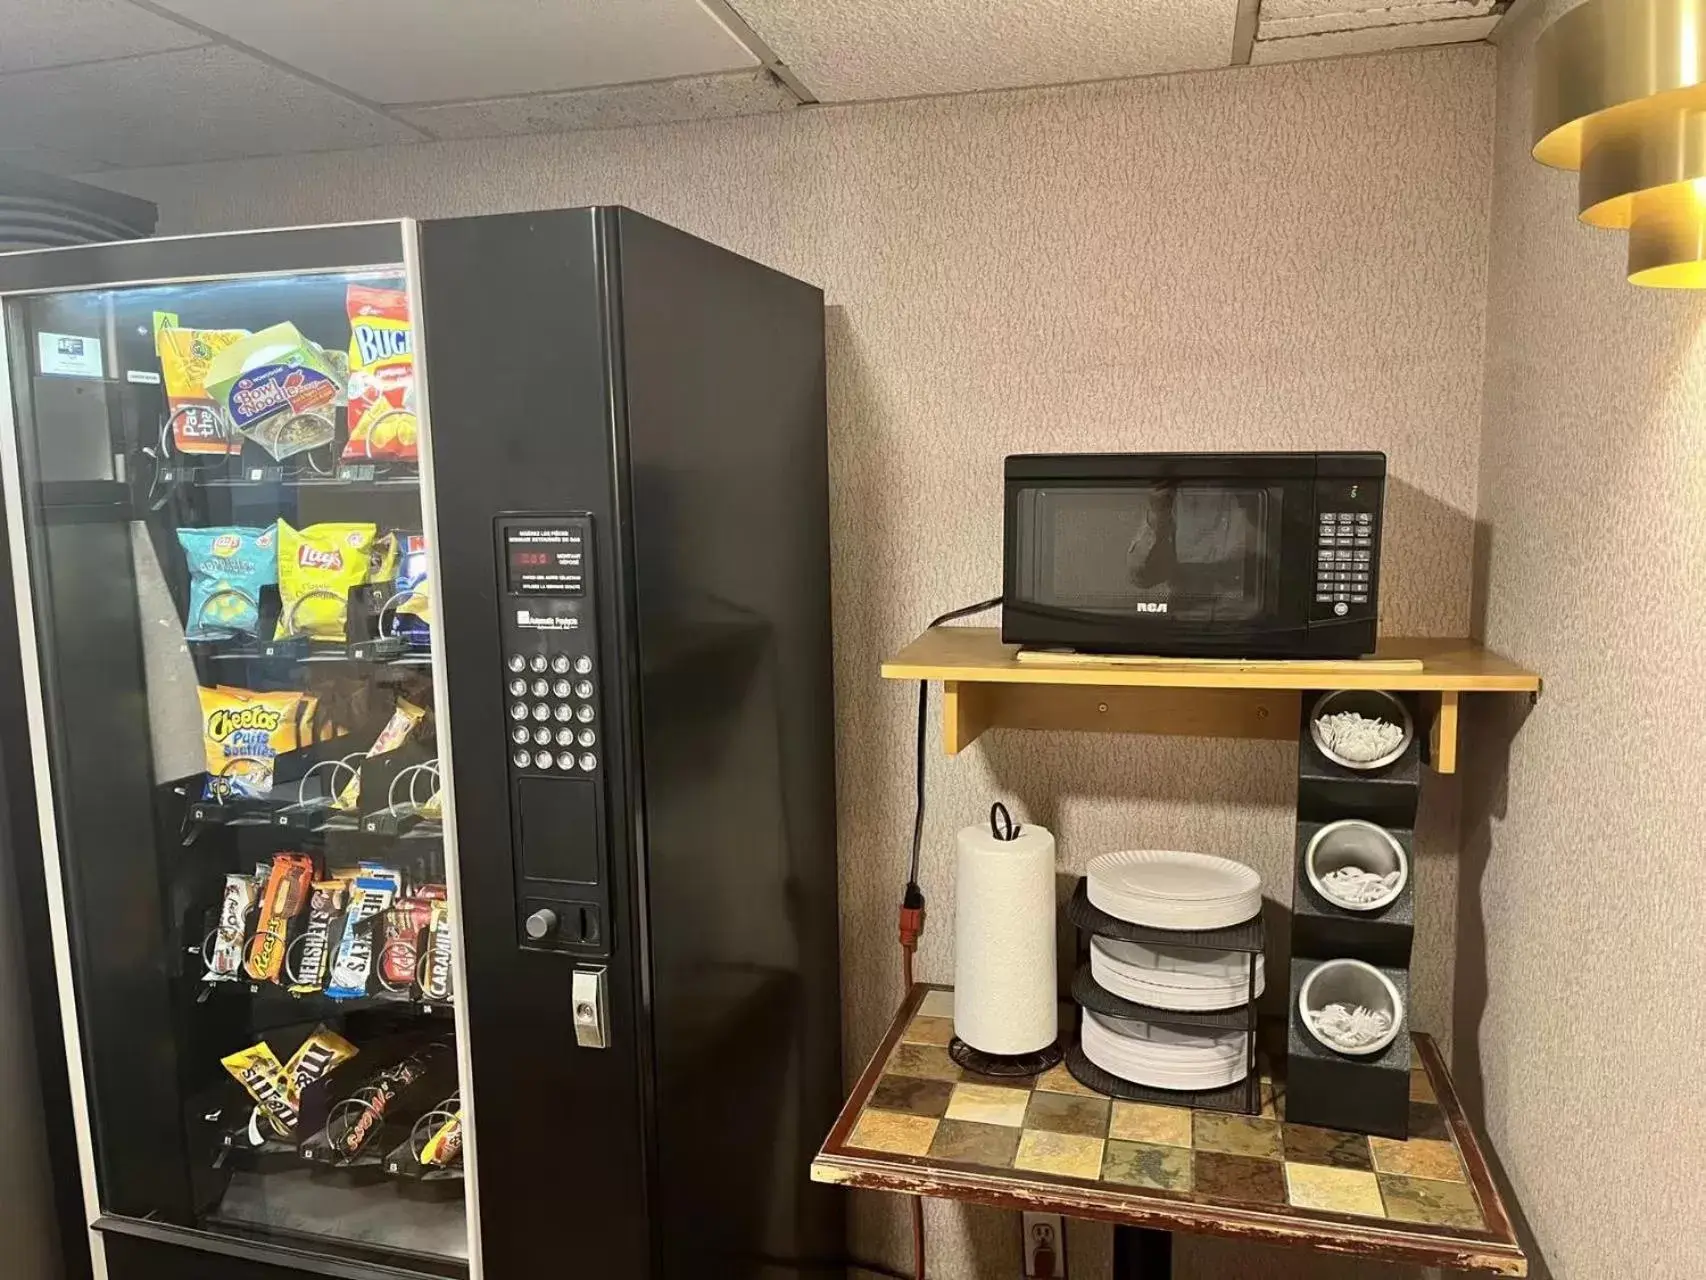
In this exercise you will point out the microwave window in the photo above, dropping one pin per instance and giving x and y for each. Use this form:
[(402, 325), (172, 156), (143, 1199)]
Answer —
[(1205, 552)]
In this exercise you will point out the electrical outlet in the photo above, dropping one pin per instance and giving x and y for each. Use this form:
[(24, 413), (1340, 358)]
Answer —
[(1045, 1246)]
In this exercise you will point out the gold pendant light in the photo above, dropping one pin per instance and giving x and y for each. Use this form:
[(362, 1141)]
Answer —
[(1620, 94)]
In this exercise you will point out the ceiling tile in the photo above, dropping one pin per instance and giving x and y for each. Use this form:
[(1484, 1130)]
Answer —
[(52, 33), (41, 160), (1373, 40), (178, 108), (1314, 17), (743, 93), (419, 51), (847, 50)]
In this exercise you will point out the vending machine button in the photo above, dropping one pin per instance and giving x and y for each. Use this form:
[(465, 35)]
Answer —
[(587, 737), (560, 663), (517, 687), (542, 736), (584, 714), (518, 734), (517, 662), (541, 711), (565, 711), (565, 737), (542, 759), (518, 711), (541, 688), (541, 924), (566, 760), (589, 762), (583, 665), (562, 688), (537, 663), (583, 689), (521, 758)]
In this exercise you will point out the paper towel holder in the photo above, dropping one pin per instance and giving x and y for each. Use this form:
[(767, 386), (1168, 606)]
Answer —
[(1004, 1065)]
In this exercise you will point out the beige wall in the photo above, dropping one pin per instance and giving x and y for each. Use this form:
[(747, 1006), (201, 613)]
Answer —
[(1591, 856), (1290, 257)]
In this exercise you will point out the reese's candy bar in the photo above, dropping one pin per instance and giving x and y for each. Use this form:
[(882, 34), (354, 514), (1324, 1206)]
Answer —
[(311, 954), (373, 893), (284, 898), (264, 1079), (225, 958), (322, 1053), (445, 1145)]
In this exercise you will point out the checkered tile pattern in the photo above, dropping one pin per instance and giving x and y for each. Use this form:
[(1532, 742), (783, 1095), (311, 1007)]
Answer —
[(925, 1105)]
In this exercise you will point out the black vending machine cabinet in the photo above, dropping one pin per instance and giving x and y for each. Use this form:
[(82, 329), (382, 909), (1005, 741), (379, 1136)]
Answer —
[(424, 735)]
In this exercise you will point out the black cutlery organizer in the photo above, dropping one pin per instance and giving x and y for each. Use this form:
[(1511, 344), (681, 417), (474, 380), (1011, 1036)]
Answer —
[(1363, 1093)]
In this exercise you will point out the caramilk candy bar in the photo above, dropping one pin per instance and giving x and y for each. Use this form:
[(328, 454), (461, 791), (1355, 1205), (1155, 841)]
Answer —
[(225, 959), (436, 984), (264, 1079)]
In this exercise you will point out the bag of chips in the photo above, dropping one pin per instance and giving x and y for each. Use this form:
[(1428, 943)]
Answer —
[(413, 619), (243, 732), (317, 566), (198, 425), (278, 389), (229, 564), (382, 424)]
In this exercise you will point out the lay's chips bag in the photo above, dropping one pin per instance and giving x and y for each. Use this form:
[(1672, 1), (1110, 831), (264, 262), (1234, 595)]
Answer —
[(317, 566), (228, 565), (382, 424)]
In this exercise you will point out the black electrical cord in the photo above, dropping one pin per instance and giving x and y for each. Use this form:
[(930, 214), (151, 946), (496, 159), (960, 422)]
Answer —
[(915, 896)]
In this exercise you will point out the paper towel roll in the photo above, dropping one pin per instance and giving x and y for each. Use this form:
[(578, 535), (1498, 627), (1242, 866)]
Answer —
[(1004, 922)]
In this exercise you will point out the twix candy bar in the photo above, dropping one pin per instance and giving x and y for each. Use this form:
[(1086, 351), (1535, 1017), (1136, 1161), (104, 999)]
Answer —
[(283, 899)]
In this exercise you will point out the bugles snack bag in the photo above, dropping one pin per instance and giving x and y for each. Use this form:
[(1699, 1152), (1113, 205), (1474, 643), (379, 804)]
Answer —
[(229, 564), (198, 425), (282, 901), (317, 566), (382, 425), (278, 389), (243, 732)]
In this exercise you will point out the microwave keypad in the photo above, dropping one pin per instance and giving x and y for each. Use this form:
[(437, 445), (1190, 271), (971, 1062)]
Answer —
[(1344, 552)]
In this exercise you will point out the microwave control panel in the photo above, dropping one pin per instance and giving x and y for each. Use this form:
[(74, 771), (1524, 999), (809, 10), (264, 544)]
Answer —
[(1347, 547), (554, 727)]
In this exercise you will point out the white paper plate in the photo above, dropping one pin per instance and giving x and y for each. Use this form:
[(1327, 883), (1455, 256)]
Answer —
[(1161, 996), (1112, 1051), (1175, 966), (1160, 914), (1171, 875)]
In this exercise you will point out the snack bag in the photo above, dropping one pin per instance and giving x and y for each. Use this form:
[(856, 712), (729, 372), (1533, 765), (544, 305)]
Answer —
[(263, 1077), (229, 564), (285, 896), (323, 1052), (413, 620), (225, 959), (396, 732), (382, 424), (278, 389), (242, 733), (198, 425), (316, 568), (382, 559)]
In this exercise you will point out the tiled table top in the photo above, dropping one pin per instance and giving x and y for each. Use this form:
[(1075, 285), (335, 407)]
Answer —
[(918, 1123)]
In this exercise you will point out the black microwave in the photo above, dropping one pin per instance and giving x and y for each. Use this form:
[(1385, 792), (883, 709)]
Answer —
[(1226, 555)]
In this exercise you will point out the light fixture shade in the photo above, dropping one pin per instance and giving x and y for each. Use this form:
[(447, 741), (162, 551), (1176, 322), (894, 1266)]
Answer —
[(1620, 94)]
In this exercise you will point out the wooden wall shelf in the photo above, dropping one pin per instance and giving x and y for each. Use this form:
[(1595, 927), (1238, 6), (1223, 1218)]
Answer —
[(986, 685)]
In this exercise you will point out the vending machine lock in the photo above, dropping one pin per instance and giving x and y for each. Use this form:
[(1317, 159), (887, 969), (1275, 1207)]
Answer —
[(589, 1005)]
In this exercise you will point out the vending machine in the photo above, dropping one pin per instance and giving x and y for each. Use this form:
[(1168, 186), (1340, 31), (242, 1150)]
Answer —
[(420, 709)]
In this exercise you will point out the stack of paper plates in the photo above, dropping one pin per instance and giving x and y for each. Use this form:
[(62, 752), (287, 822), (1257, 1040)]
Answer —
[(1170, 889), (1163, 1057), (1174, 977)]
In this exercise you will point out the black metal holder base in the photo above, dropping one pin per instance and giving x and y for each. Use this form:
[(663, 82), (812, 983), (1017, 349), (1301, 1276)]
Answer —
[(1142, 1253), (1363, 1093), (1003, 1064), (1242, 1097)]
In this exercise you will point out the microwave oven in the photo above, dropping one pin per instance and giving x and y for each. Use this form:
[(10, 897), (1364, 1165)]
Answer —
[(1226, 555)]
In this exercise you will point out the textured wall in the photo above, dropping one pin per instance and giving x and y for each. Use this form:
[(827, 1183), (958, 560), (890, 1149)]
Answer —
[(1588, 846), (1290, 257)]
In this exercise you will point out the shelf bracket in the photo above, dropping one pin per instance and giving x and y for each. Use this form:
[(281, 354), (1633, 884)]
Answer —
[(966, 713), (1442, 737)]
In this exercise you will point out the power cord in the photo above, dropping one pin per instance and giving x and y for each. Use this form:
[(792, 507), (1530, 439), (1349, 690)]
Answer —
[(912, 900)]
